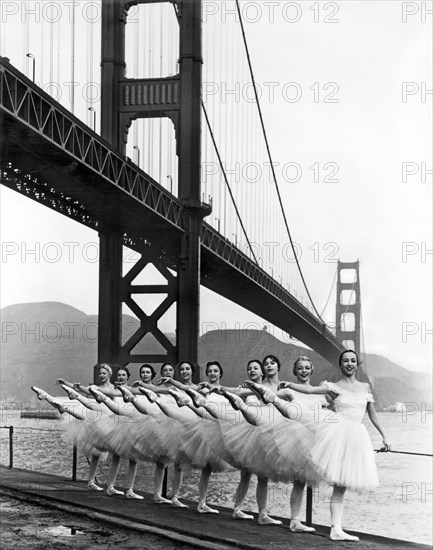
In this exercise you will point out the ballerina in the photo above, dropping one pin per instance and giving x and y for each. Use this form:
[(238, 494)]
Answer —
[(169, 429), (195, 449), (79, 435), (237, 437), (304, 408), (342, 451), (76, 432), (114, 436)]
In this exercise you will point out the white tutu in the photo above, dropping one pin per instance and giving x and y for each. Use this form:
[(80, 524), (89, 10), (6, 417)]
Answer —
[(342, 451), (79, 432)]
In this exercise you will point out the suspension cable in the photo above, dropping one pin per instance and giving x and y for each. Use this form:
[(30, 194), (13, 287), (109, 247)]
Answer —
[(222, 166), (330, 292), (226, 181), (270, 160)]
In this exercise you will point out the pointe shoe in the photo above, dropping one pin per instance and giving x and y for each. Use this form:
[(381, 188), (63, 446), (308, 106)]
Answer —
[(339, 534), (238, 514), (176, 503), (264, 519), (128, 397), (297, 527), (196, 397), (40, 393), (235, 401), (205, 509), (130, 494), (99, 396), (72, 394), (57, 405), (112, 491), (159, 499), (266, 395), (92, 485), (181, 400), (151, 395)]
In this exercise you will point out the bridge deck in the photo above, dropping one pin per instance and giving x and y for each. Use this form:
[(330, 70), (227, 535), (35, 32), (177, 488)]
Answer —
[(49, 155), (187, 526)]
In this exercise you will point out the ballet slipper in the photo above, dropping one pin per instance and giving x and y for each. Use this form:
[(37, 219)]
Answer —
[(238, 514), (128, 397), (181, 400), (266, 395), (92, 485), (159, 499), (99, 396), (337, 533), (297, 527), (40, 393), (205, 509), (130, 494), (112, 491), (235, 401), (197, 399), (151, 395), (264, 519), (176, 503), (72, 394), (57, 405)]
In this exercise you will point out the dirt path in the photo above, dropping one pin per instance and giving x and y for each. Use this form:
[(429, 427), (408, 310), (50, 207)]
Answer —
[(32, 527)]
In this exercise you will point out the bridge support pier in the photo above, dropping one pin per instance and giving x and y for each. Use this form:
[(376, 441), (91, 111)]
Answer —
[(110, 302), (184, 109)]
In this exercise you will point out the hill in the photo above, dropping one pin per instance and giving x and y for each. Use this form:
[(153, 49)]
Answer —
[(48, 340)]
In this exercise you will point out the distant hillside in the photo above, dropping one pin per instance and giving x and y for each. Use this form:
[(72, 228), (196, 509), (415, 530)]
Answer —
[(49, 340)]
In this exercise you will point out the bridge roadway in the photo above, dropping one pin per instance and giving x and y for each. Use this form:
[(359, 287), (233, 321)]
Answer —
[(185, 526), (49, 155)]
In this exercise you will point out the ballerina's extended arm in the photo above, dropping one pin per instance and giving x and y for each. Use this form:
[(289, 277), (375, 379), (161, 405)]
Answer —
[(371, 411), (302, 388)]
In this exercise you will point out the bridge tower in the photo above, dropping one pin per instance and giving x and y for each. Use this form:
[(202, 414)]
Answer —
[(122, 101), (348, 307)]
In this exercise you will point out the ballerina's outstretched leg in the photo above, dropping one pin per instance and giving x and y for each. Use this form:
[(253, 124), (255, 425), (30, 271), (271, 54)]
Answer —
[(62, 408)]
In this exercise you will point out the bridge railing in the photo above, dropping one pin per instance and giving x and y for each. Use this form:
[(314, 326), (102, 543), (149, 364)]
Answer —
[(38, 110), (218, 244)]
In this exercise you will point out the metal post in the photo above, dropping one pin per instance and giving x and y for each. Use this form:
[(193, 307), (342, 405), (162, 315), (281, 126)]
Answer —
[(309, 518), (74, 463), (11, 446), (165, 482)]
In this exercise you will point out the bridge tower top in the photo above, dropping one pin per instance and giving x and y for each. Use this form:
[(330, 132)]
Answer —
[(348, 306)]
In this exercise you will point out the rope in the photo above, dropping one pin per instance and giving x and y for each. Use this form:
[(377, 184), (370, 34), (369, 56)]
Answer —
[(28, 428), (271, 162), (401, 452)]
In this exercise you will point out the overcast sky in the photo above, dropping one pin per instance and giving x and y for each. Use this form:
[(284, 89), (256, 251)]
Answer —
[(350, 97)]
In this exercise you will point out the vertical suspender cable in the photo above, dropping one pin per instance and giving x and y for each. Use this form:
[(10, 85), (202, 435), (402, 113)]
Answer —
[(271, 162), (72, 92)]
